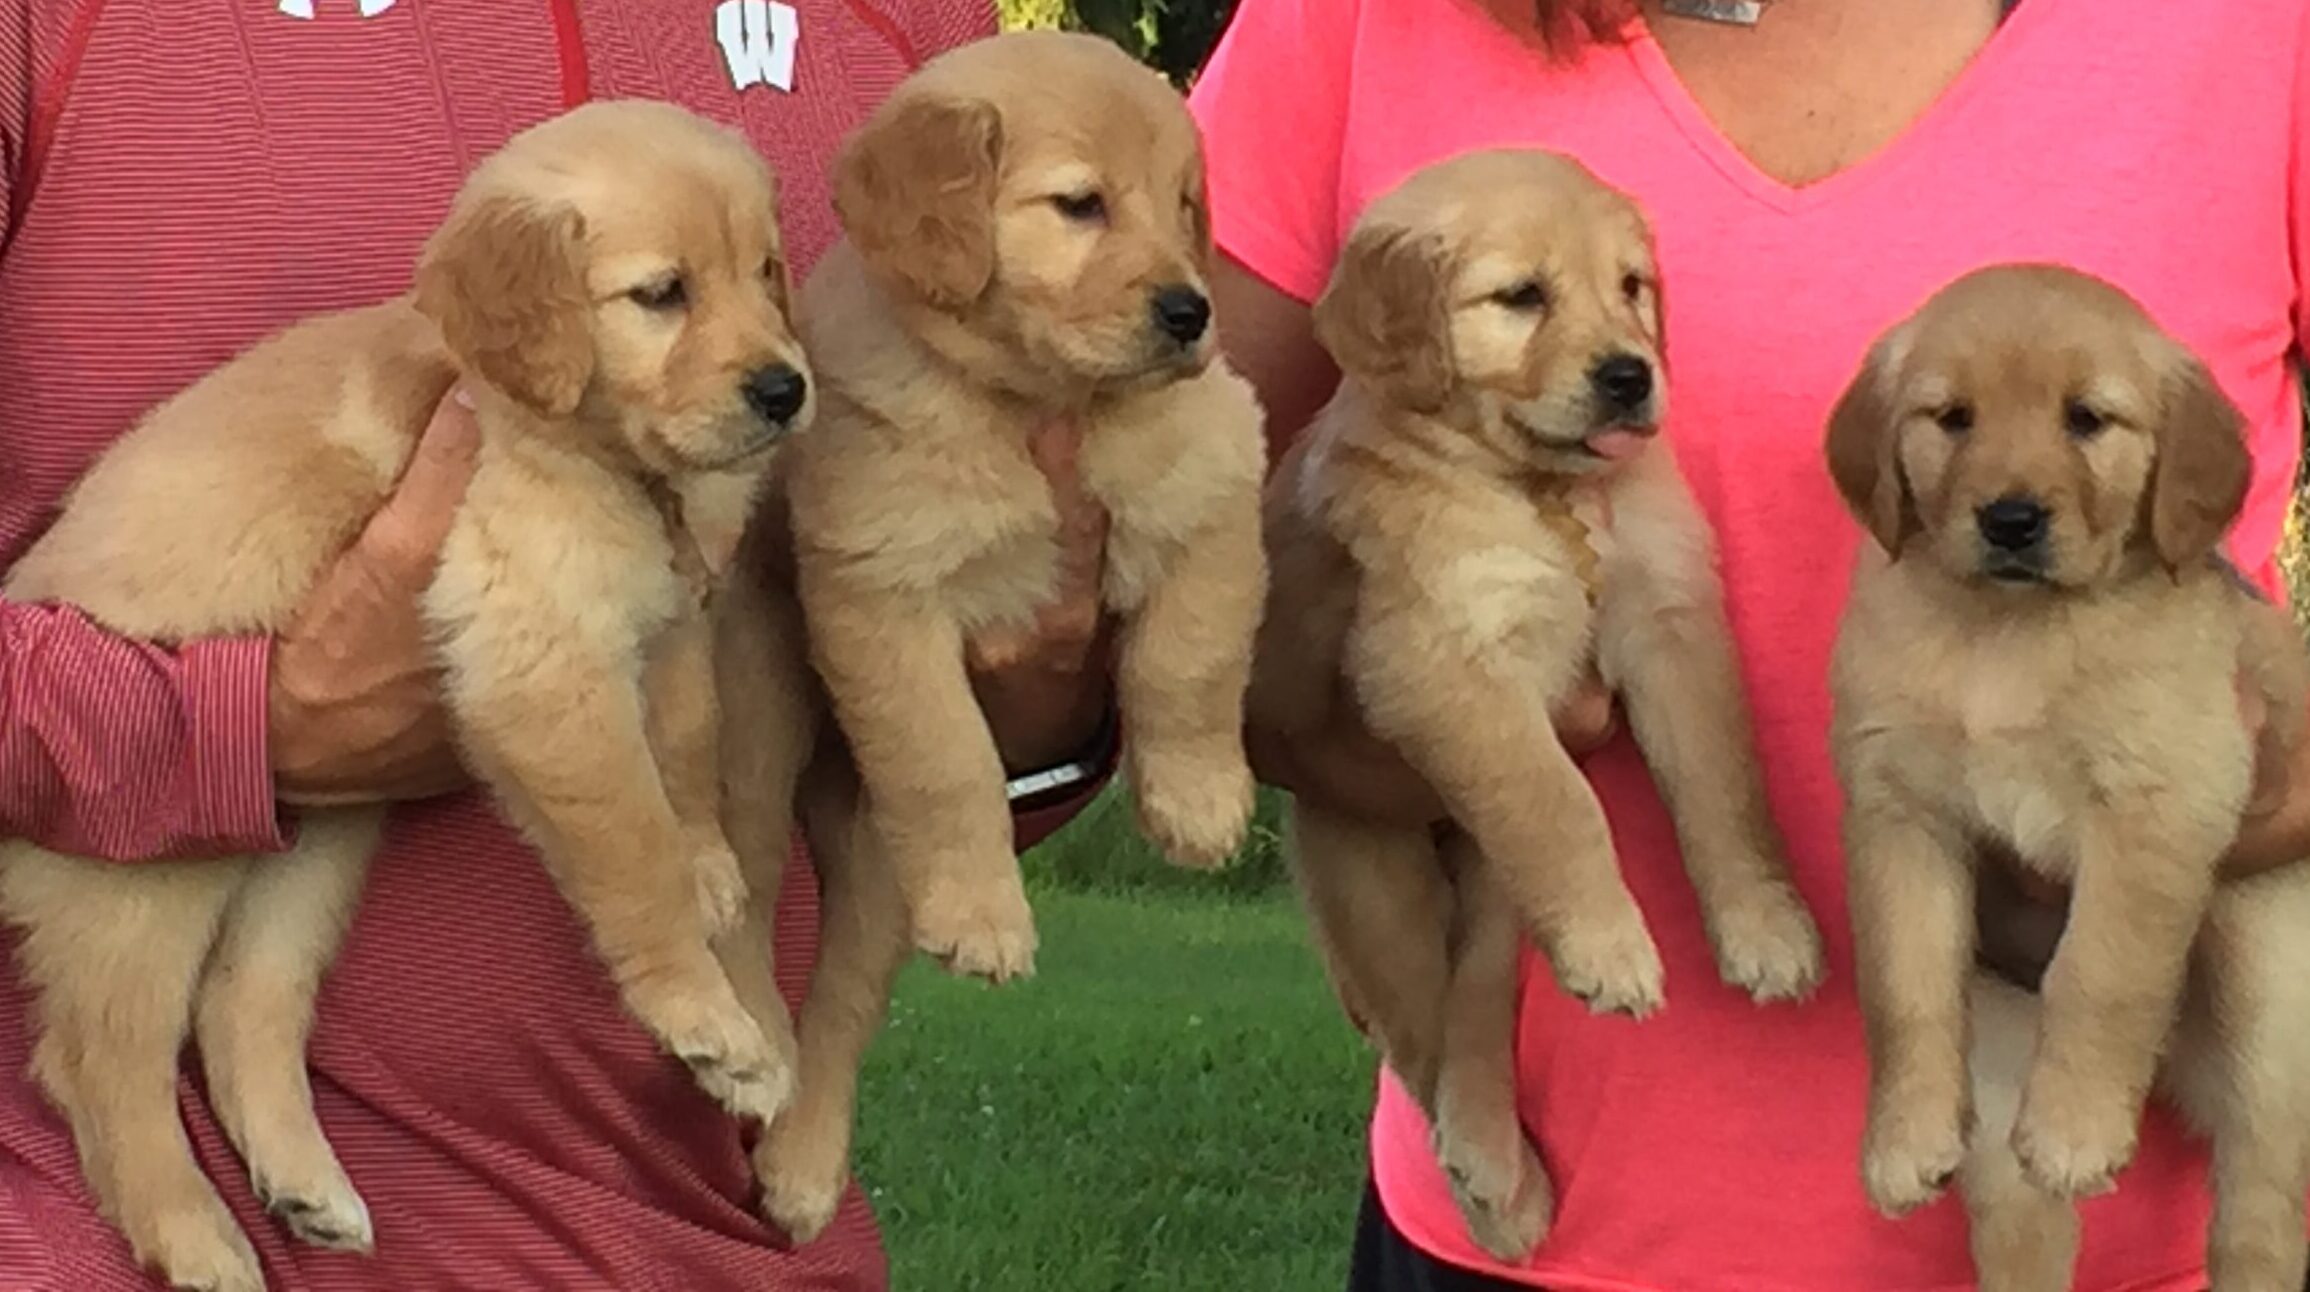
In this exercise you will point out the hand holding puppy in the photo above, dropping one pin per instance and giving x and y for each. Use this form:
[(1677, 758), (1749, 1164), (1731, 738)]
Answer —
[(2276, 831), (355, 706)]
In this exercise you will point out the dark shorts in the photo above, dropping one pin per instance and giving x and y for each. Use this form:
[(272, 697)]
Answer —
[(1386, 1261)]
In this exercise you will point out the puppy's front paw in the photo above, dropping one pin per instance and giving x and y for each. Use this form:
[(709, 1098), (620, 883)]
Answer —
[(1195, 803), (199, 1249), (981, 931), (1767, 944), (2075, 1147), (1502, 1189), (1911, 1152), (800, 1197), (727, 1054), (721, 889), (1611, 966), (323, 1211)]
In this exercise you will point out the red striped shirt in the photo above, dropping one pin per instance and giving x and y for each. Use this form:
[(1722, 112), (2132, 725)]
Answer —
[(177, 179)]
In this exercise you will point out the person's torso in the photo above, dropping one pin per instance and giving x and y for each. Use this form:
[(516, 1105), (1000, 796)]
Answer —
[(1715, 1147), (205, 172)]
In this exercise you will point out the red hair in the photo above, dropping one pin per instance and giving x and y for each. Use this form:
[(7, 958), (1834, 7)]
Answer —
[(1563, 27)]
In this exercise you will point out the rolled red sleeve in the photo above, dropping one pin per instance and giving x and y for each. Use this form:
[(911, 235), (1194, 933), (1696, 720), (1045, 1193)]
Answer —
[(127, 751)]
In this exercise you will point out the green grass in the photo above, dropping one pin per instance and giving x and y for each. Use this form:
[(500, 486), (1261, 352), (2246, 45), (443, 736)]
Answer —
[(1101, 851), (1172, 1102)]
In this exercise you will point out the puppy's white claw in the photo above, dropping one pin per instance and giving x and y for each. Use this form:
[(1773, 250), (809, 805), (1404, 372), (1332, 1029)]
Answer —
[(1614, 970), (2075, 1148), (755, 1091), (802, 1209), (802, 1171), (1195, 808), (1908, 1160), (330, 1216), (1503, 1192), (988, 935), (1767, 945), (728, 1056)]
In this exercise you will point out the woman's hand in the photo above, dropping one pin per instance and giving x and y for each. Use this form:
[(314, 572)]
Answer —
[(1045, 691), (1349, 770), (355, 704), (2276, 831)]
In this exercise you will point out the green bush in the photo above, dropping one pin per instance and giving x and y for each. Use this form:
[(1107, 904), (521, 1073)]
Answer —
[(1172, 36)]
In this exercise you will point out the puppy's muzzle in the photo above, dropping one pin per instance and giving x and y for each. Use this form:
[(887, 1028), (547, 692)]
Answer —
[(1181, 313), (2013, 536), (776, 394)]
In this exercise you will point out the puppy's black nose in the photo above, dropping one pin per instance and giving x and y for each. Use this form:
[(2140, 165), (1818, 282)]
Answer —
[(776, 393), (1182, 313), (1622, 381), (2013, 523)]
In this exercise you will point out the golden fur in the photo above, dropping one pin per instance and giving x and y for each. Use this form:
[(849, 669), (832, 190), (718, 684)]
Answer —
[(964, 308), (1428, 586), (783, 763), (2066, 690), (618, 454)]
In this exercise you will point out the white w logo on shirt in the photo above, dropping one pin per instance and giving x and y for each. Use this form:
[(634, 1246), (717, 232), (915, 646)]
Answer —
[(757, 38), (304, 8)]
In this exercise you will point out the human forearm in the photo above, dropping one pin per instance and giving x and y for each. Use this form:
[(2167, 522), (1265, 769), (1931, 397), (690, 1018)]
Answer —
[(127, 751)]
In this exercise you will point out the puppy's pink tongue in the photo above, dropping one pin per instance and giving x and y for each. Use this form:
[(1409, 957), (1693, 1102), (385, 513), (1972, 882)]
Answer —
[(1615, 445)]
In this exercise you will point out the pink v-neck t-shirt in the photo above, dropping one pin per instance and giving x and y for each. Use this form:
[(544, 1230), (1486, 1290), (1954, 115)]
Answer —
[(1714, 1147)]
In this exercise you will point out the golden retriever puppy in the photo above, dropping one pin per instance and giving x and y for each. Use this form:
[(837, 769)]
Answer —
[(2042, 650), (1026, 245), (1483, 513), (610, 288)]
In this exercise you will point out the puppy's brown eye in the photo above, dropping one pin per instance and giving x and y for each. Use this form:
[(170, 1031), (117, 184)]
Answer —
[(664, 294), (1955, 419), (2083, 422), (1083, 208), (1527, 295), (1632, 286)]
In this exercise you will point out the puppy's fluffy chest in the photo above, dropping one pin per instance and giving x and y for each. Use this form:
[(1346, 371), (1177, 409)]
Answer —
[(1510, 573), (2027, 726), (591, 551), (959, 512)]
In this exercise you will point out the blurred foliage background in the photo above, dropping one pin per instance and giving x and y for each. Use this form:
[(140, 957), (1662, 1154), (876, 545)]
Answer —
[(1171, 35)]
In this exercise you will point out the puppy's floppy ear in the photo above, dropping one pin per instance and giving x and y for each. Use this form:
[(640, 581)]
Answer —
[(915, 188), (1660, 321), (1863, 449), (2203, 467), (1199, 215), (1386, 318), (504, 280)]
